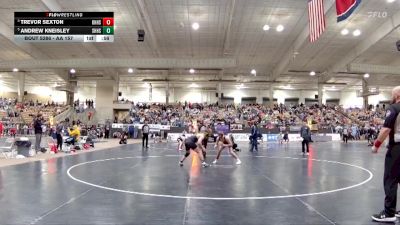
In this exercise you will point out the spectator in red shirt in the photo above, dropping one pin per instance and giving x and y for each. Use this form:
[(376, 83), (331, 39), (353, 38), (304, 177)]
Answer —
[(13, 131)]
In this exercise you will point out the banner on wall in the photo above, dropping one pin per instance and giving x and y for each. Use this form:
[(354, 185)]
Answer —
[(174, 136), (270, 137), (335, 137), (244, 137), (241, 137), (236, 126), (153, 127), (295, 128), (295, 137), (117, 125), (222, 128)]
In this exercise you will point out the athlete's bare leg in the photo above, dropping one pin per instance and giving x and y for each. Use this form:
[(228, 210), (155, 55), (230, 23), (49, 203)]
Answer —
[(220, 147), (184, 157), (233, 154), (199, 153), (180, 145)]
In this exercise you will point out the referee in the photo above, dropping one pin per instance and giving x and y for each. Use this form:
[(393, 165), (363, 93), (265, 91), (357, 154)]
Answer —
[(305, 133), (145, 134), (391, 175)]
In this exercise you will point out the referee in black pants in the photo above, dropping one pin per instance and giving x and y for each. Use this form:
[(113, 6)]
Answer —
[(391, 175), (305, 133), (145, 134)]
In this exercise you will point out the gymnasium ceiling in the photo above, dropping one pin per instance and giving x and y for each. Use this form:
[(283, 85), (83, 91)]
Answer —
[(229, 29)]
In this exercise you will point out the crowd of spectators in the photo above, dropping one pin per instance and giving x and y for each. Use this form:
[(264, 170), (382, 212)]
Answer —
[(5, 103), (323, 116), (17, 118), (184, 114), (364, 116), (48, 110)]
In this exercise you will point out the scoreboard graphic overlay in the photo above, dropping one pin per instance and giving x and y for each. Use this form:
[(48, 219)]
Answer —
[(64, 26)]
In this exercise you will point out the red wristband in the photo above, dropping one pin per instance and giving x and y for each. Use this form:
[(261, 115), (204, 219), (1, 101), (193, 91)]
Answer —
[(377, 144)]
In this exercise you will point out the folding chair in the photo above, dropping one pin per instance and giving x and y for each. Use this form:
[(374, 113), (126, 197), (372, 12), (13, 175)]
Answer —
[(8, 149)]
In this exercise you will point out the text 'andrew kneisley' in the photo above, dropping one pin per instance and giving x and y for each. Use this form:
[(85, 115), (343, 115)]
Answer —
[(44, 30)]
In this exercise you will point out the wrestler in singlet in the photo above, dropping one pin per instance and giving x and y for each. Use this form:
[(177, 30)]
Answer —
[(222, 143), (194, 143)]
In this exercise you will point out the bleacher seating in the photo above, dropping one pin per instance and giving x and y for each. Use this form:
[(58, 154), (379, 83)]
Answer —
[(29, 112)]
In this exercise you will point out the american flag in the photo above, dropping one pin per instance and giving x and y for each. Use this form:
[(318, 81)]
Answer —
[(316, 17)]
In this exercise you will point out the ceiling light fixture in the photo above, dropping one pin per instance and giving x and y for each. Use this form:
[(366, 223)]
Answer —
[(130, 70), (254, 72), (366, 75), (240, 86), (357, 33), (280, 28), (390, 1), (192, 71), (288, 87), (312, 73), (344, 32), (193, 85), (15, 70), (195, 26), (72, 71), (266, 27)]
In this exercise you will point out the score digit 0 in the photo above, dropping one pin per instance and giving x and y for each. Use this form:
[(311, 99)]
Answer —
[(108, 30), (108, 22)]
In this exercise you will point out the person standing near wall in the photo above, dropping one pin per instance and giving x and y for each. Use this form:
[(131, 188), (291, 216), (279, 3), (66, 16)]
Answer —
[(145, 134), (254, 137), (25, 129), (131, 131), (107, 129), (59, 129), (391, 177), (38, 131), (345, 134), (305, 133)]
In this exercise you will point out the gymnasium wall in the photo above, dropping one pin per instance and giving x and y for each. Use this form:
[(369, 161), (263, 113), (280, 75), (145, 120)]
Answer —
[(347, 98), (383, 96), (200, 95), (85, 92), (8, 94), (45, 94)]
